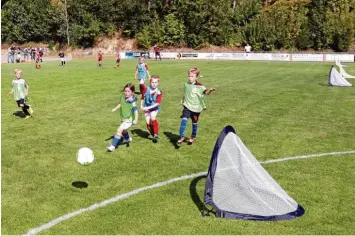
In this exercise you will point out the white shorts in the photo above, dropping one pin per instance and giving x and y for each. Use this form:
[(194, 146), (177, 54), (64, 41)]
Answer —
[(141, 80), (125, 125), (150, 114), (62, 59)]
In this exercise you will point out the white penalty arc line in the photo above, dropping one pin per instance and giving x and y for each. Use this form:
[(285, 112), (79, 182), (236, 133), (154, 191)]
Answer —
[(157, 185)]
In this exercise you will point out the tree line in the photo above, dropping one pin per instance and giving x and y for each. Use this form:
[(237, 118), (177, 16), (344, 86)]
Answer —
[(265, 24)]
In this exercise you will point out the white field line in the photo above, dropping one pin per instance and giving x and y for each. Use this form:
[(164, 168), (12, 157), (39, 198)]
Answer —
[(157, 185)]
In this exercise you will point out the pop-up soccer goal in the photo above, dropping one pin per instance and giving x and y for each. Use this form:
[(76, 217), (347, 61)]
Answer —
[(336, 79), (238, 187)]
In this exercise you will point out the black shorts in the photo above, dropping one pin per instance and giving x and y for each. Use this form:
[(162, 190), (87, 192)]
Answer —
[(118, 61), (186, 113), (19, 102)]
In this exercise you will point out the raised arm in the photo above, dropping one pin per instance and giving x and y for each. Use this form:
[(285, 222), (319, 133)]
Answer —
[(208, 91)]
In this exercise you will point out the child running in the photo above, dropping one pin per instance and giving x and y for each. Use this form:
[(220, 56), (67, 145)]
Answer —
[(99, 59), (129, 116), (20, 90), (193, 103), (150, 104), (118, 59), (141, 73), (38, 60)]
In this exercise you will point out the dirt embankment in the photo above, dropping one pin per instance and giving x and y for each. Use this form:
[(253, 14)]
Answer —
[(110, 45)]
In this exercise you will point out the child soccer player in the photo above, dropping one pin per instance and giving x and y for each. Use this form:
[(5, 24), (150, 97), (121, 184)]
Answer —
[(20, 90), (150, 104), (157, 52), (129, 116), (141, 73), (193, 103), (99, 58), (38, 58), (118, 59), (62, 58)]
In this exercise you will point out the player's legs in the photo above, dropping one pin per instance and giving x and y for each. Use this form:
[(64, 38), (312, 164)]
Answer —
[(186, 113), (155, 125), (147, 121), (194, 118), (24, 107), (141, 84), (121, 131)]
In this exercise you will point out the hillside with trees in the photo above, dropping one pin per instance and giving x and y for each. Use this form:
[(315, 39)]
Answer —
[(266, 24)]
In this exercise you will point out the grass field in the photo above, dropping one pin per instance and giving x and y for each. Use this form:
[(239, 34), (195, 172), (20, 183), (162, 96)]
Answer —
[(278, 110)]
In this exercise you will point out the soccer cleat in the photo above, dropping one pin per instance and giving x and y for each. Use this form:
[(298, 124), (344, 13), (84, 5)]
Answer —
[(111, 148), (26, 117), (180, 141), (191, 140), (30, 110), (155, 138), (127, 140)]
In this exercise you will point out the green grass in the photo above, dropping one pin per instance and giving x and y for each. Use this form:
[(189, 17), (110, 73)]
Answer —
[(278, 110)]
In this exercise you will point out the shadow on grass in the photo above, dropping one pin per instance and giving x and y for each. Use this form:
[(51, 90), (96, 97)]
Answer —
[(141, 133), (173, 138), (196, 198), (19, 114), (80, 184)]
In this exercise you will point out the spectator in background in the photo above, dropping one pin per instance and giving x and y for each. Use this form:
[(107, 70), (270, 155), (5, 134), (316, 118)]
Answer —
[(40, 51), (157, 52), (62, 57), (247, 48), (33, 54), (18, 55), (25, 54), (12, 54), (9, 55)]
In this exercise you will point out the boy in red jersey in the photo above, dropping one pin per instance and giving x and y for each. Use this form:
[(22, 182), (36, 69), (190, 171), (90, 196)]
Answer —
[(99, 59), (150, 104), (38, 59), (157, 52), (193, 104)]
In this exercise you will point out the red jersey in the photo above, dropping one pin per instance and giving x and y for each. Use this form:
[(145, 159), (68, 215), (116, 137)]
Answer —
[(100, 56), (156, 49), (158, 96)]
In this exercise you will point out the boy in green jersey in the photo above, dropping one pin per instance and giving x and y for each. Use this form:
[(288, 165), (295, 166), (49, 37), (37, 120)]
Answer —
[(20, 90), (129, 116), (193, 103)]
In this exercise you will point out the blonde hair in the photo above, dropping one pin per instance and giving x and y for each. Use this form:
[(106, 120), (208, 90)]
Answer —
[(154, 77), (195, 70), (18, 71)]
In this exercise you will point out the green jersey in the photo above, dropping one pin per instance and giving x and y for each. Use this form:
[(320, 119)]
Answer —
[(20, 89), (127, 109), (194, 96)]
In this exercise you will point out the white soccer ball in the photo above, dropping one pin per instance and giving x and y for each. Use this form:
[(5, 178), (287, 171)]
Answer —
[(85, 156)]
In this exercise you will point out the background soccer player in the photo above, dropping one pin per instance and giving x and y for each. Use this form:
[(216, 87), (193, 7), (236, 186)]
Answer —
[(141, 73)]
